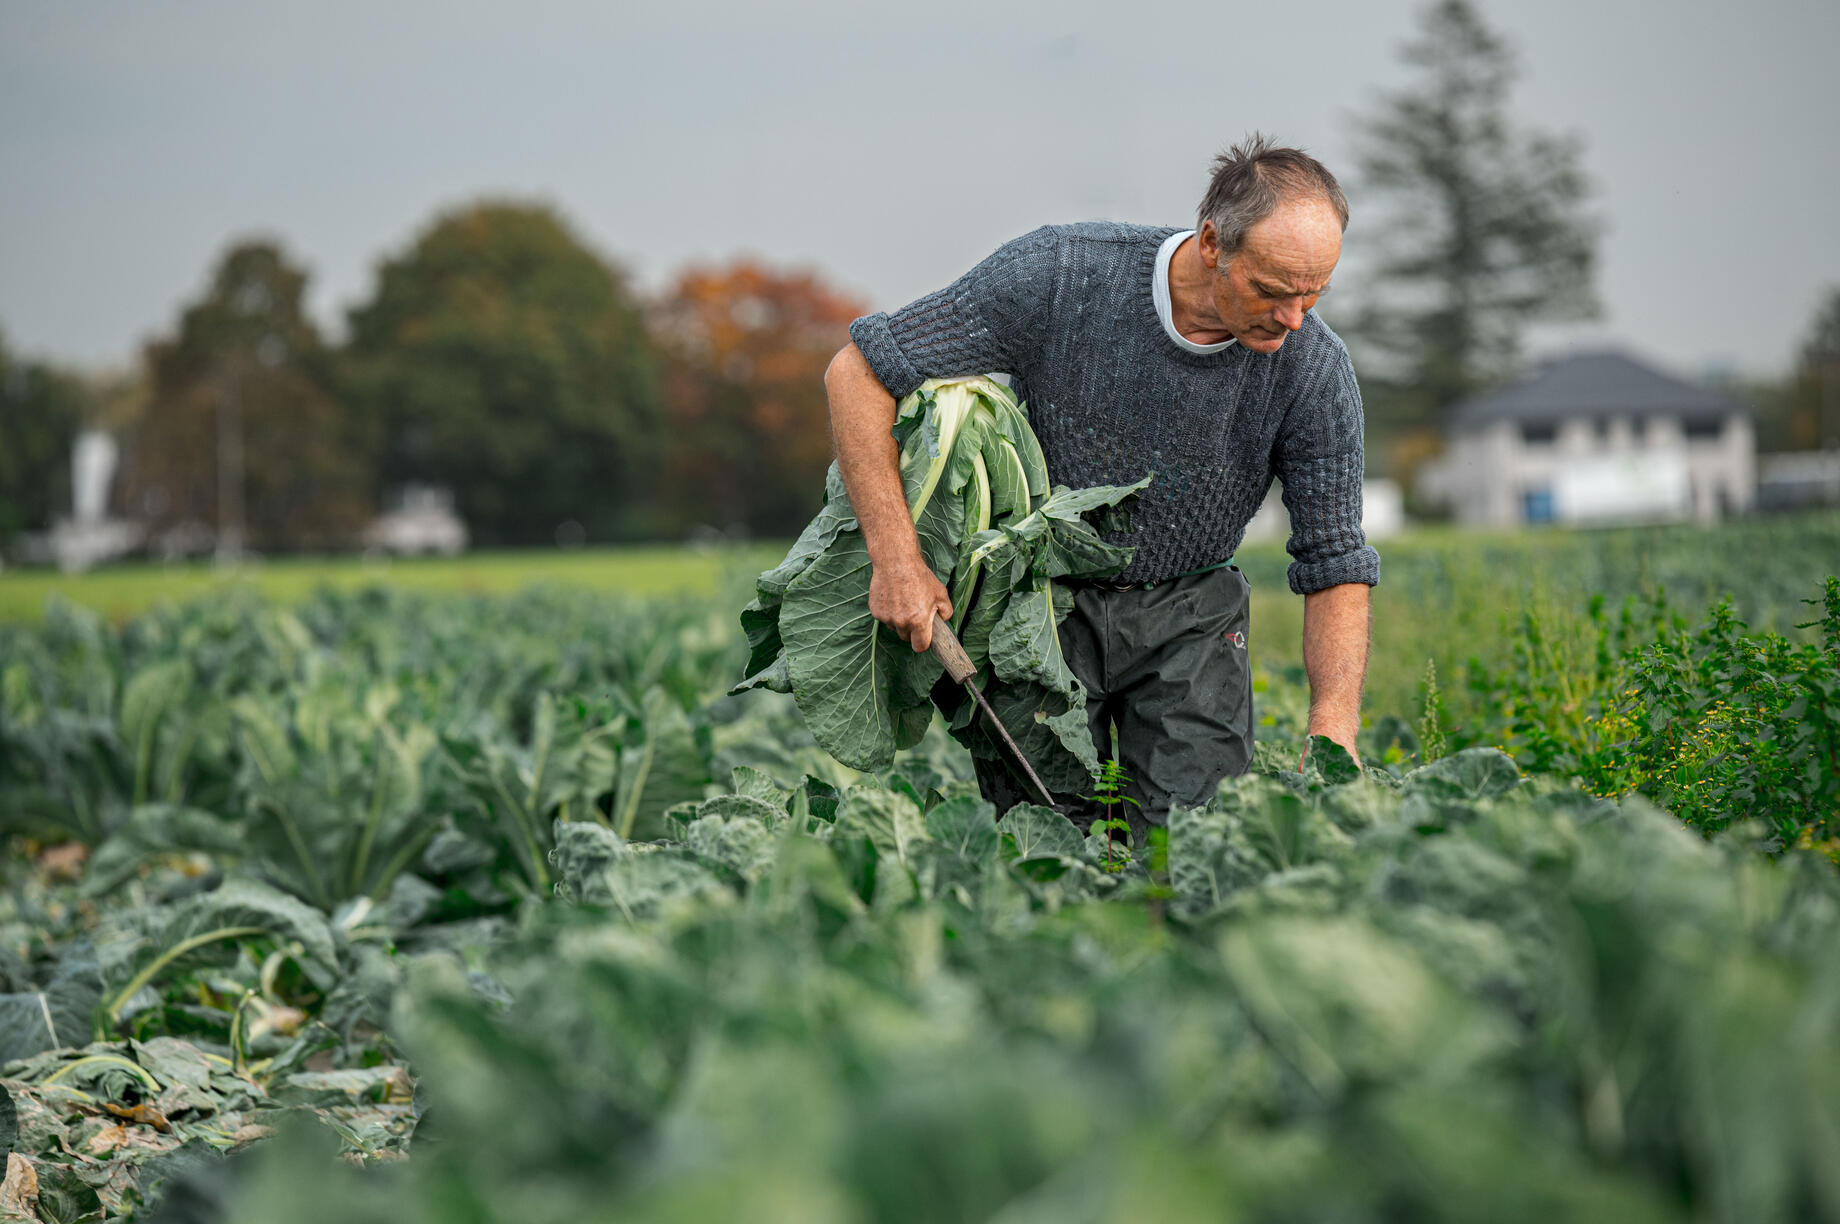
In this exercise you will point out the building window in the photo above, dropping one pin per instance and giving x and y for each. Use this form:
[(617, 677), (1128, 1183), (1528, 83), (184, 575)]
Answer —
[(1704, 430), (1537, 505), (1539, 433)]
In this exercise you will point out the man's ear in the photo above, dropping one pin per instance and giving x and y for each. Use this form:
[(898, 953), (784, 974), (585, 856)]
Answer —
[(1207, 240)]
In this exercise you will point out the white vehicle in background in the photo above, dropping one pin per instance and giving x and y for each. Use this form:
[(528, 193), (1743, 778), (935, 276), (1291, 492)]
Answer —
[(1626, 487), (421, 522)]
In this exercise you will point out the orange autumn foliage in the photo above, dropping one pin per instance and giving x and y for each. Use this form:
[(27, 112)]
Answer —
[(747, 435)]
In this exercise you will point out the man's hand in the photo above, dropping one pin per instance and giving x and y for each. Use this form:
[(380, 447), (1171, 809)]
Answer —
[(904, 597), (1335, 633), (1305, 758)]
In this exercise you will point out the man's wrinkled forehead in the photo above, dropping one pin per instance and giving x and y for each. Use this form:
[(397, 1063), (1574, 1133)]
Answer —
[(1295, 249)]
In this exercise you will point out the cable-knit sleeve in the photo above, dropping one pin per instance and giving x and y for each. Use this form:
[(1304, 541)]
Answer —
[(1318, 458), (987, 321)]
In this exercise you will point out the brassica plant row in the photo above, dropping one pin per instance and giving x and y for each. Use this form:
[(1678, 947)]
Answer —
[(410, 909)]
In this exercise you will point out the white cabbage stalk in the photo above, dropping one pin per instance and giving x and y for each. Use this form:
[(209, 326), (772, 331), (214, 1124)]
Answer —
[(979, 521), (954, 404)]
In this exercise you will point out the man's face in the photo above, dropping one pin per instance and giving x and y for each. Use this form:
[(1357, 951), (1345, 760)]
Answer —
[(1282, 267)]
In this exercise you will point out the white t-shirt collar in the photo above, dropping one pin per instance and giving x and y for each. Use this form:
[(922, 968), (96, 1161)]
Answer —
[(1165, 308)]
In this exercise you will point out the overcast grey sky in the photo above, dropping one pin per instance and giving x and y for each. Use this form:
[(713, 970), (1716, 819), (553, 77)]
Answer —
[(890, 146)]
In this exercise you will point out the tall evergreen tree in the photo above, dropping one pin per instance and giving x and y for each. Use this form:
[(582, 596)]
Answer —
[(1803, 411), (509, 362), (1478, 227), (1823, 342)]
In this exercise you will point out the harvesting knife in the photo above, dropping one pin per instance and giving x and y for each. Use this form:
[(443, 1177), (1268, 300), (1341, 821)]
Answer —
[(949, 651)]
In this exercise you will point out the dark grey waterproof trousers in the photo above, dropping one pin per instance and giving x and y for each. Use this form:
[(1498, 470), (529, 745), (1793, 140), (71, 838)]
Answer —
[(1166, 669)]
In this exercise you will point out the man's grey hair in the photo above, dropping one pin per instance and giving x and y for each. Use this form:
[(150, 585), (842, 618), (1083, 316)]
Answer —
[(1253, 177)]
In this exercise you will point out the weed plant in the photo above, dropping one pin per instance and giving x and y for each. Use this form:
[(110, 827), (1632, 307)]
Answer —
[(1717, 723)]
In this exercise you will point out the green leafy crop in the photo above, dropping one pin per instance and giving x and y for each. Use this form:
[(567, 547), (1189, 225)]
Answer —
[(505, 901)]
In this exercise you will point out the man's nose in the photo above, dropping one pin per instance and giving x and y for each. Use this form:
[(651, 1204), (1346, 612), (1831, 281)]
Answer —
[(1290, 314)]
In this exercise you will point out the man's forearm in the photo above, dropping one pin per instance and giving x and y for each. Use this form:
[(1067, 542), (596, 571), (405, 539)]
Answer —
[(904, 593), (1335, 637), (862, 423)]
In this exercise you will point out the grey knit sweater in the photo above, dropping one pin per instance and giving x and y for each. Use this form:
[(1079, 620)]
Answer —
[(1067, 312)]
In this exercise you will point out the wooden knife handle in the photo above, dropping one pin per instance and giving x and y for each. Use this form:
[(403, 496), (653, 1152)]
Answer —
[(947, 649)]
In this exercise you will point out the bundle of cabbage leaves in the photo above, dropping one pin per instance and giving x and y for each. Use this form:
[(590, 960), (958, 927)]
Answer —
[(1000, 538)]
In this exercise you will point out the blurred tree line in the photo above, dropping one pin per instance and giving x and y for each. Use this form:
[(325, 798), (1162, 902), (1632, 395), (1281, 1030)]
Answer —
[(499, 356), (502, 358)]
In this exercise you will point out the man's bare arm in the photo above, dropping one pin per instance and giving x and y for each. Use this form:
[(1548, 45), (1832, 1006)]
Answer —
[(1335, 637), (903, 591)]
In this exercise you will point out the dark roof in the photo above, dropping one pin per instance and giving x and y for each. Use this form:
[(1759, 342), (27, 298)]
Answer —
[(1596, 385)]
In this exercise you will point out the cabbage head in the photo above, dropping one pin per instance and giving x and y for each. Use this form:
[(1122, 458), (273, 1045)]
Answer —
[(1000, 538)]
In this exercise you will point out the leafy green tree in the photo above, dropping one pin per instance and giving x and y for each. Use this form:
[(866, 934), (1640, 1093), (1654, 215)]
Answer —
[(509, 361), (1479, 227), (41, 409), (241, 431)]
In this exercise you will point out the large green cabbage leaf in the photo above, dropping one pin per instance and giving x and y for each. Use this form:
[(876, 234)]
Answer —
[(999, 536)]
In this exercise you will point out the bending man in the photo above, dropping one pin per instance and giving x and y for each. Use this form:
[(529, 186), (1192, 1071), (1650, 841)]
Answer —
[(1193, 354)]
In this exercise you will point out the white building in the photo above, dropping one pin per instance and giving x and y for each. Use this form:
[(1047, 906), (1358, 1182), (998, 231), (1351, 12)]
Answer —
[(1595, 438)]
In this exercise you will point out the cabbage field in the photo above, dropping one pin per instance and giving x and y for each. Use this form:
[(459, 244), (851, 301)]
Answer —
[(407, 907)]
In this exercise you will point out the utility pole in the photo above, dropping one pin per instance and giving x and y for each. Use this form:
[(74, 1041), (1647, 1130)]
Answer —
[(230, 526), (1827, 411)]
